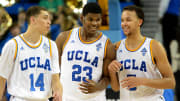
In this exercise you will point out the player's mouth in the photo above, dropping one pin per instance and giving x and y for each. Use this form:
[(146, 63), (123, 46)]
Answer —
[(125, 29), (93, 28)]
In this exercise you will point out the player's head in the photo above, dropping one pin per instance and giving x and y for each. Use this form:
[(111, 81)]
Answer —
[(132, 19), (91, 17), (39, 18)]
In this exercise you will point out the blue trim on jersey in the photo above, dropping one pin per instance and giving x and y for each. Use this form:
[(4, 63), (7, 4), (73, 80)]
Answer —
[(137, 49), (29, 46)]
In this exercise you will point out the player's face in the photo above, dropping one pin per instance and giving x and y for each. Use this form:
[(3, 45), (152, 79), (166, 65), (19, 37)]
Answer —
[(43, 22), (91, 22), (130, 23)]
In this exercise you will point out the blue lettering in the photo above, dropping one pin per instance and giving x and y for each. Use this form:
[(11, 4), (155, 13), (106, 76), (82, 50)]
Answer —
[(38, 63), (82, 56), (134, 65), (70, 55), (30, 62), (77, 54), (85, 58), (26, 64), (95, 62), (125, 64), (131, 64), (143, 66), (33, 62), (47, 65)]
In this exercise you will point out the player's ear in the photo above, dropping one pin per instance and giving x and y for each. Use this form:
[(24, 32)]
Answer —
[(32, 19), (140, 22)]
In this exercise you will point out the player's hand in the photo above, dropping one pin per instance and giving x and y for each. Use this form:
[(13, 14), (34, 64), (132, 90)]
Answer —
[(57, 96), (89, 87), (131, 82), (114, 66)]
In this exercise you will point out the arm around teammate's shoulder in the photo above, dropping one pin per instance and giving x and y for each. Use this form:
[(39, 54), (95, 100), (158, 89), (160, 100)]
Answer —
[(163, 65)]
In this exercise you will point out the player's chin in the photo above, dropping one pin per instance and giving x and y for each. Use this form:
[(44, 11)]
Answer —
[(126, 33)]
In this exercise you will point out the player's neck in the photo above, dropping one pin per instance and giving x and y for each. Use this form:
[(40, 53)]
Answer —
[(31, 36), (134, 40), (88, 37)]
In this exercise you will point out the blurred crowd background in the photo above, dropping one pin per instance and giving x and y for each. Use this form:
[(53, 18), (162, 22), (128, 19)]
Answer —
[(161, 22)]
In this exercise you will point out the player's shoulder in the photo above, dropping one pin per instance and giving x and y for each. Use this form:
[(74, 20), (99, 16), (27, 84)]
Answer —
[(154, 42), (64, 35), (117, 44), (11, 42), (155, 45)]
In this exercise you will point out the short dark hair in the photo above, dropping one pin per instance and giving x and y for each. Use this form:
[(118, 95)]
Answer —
[(91, 7), (32, 11), (138, 10)]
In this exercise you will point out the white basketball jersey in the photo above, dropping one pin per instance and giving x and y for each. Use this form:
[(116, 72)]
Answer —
[(138, 63), (81, 60), (30, 76)]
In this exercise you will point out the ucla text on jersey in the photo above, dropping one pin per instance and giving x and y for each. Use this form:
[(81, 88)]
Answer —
[(131, 64), (33, 62)]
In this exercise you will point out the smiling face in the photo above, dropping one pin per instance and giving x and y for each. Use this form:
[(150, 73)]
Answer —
[(130, 22), (91, 22)]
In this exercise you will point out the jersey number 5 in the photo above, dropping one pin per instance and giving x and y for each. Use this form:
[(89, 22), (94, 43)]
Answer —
[(78, 69), (39, 82)]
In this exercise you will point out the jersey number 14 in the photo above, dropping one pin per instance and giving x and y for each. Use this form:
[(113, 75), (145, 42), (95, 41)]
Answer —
[(38, 83)]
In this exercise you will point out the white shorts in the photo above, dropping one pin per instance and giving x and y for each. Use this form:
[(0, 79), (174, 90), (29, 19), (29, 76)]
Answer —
[(13, 98), (159, 98), (97, 98)]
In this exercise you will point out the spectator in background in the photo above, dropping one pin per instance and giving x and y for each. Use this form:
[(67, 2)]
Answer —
[(13, 31), (52, 5), (63, 21), (5, 21), (20, 5), (168, 17), (21, 21)]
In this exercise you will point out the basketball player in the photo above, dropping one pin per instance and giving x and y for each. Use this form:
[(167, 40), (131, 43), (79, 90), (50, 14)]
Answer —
[(30, 63), (84, 57), (141, 62)]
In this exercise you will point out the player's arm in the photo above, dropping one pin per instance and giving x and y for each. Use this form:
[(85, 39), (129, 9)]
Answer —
[(56, 87), (6, 64), (2, 87), (56, 84), (160, 59), (91, 86), (167, 81), (110, 55), (113, 68), (4, 97), (60, 42)]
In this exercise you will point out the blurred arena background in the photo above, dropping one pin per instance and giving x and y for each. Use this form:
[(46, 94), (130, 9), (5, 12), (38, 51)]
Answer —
[(65, 15)]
